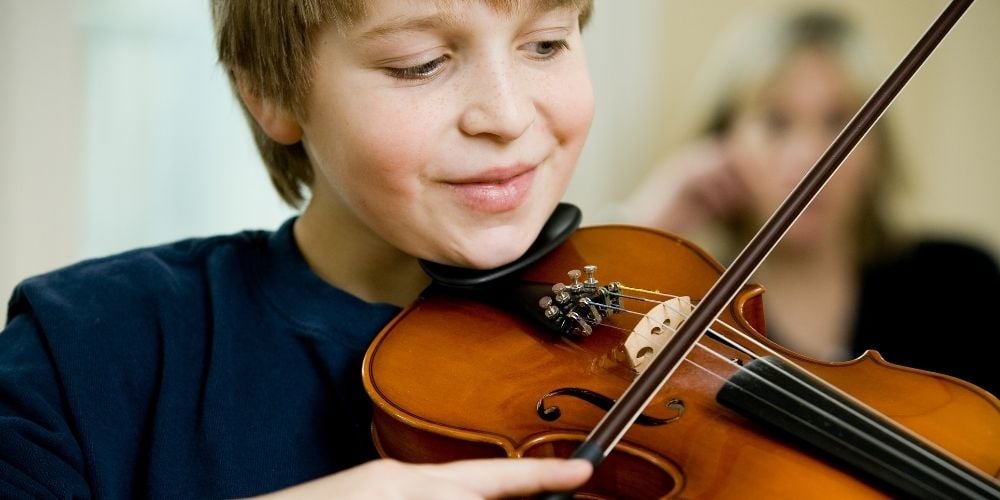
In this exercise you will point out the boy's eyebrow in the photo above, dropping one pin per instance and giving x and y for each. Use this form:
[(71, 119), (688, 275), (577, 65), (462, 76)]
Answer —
[(406, 24)]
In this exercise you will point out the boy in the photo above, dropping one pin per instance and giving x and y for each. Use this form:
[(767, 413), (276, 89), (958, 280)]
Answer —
[(229, 366)]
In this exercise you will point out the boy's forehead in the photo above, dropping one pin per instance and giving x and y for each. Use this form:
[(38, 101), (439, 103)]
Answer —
[(384, 16)]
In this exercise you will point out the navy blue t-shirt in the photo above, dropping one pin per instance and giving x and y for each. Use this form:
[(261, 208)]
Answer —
[(207, 368)]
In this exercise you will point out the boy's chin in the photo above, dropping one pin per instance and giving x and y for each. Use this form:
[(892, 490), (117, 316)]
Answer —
[(492, 254)]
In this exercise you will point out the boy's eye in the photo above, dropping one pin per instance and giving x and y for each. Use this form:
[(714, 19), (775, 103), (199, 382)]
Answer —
[(547, 48), (420, 71)]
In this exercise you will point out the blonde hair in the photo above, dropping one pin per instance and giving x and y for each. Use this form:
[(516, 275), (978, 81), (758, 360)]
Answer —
[(750, 59), (270, 42)]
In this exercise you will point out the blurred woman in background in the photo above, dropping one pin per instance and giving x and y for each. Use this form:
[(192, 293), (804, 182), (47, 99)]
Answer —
[(844, 279)]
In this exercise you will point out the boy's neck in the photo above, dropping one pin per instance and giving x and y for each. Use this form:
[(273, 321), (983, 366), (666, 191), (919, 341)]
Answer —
[(345, 253)]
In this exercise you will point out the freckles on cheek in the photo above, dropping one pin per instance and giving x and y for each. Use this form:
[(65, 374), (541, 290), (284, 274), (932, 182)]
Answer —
[(404, 135), (389, 159), (396, 127)]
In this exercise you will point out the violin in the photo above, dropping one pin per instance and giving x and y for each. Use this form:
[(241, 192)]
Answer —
[(664, 376), (455, 376)]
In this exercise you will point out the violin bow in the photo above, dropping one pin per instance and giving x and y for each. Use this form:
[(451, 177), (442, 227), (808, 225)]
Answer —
[(610, 430)]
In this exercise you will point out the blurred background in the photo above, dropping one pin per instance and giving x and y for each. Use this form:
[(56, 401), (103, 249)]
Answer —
[(119, 130)]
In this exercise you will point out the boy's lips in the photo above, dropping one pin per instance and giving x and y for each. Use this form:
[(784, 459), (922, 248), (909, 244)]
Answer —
[(495, 190)]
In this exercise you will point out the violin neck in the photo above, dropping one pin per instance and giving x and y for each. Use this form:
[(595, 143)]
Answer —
[(792, 402)]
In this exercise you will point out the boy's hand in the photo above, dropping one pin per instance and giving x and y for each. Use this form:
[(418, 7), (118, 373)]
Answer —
[(465, 479)]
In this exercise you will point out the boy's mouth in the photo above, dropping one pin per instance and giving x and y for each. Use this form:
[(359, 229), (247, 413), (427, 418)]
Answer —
[(495, 190)]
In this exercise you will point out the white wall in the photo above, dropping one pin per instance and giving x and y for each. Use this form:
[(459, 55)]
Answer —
[(119, 130), (40, 129), (644, 54)]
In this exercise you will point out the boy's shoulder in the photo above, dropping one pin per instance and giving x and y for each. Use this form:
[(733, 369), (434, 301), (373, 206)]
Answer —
[(140, 279)]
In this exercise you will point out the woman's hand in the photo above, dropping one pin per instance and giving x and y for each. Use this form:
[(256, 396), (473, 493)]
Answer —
[(682, 193), (465, 479)]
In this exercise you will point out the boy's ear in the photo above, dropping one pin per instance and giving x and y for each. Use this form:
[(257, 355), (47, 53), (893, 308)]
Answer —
[(279, 124)]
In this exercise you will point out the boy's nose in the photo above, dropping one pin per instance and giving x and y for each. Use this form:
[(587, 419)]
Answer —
[(498, 104)]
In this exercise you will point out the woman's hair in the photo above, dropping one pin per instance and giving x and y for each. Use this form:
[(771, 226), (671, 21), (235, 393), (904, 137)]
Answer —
[(270, 42), (751, 58)]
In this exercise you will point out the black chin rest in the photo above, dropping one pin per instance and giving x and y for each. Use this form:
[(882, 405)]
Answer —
[(562, 223)]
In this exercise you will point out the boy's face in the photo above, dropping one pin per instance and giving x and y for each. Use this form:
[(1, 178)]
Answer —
[(449, 129)]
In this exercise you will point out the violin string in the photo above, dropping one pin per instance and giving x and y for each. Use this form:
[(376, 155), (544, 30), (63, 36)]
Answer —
[(883, 425), (710, 333), (733, 329), (790, 415), (714, 335), (789, 376), (722, 378), (721, 356), (735, 345), (740, 347), (725, 359)]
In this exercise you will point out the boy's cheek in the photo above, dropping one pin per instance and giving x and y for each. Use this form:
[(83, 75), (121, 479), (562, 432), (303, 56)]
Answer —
[(575, 105)]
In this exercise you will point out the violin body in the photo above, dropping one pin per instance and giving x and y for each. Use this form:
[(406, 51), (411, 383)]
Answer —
[(453, 377)]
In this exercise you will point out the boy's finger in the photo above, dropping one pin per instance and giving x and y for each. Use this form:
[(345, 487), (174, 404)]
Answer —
[(521, 476)]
